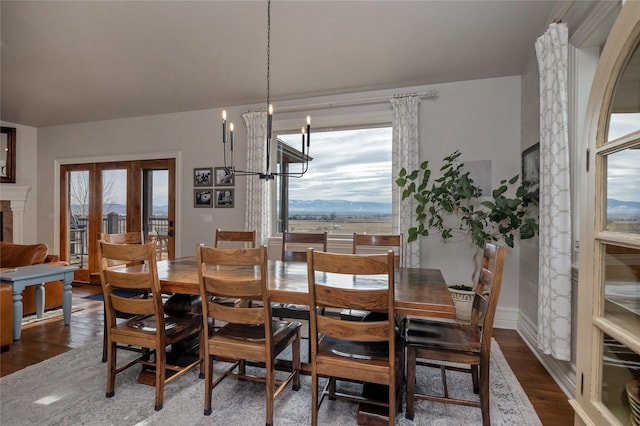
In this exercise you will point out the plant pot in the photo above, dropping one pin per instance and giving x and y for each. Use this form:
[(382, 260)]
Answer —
[(463, 300)]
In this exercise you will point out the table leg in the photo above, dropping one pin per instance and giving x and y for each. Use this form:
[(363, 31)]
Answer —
[(66, 301), (17, 314), (40, 300)]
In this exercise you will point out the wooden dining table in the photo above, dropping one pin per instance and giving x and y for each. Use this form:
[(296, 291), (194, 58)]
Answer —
[(418, 291)]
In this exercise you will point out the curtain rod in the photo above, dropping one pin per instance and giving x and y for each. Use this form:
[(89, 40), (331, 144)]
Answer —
[(431, 94)]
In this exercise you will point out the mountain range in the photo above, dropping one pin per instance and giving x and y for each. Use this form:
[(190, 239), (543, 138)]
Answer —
[(615, 208)]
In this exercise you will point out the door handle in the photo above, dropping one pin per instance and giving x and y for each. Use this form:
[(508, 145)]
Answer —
[(170, 232)]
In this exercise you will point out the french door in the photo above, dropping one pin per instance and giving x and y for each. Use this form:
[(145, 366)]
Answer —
[(115, 197)]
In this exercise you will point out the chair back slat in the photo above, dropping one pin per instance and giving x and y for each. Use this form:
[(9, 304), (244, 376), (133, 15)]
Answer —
[(133, 306), (334, 297), (295, 245), (370, 331), (122, 238), (228, 286), (248, 238), (236, 315)]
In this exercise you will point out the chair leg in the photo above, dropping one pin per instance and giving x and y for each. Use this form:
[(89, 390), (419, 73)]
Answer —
[(161, 361), (484, 390), (296, 361), (270, 382), (314, 398), (111, 369), (474, 378), (208, 379), (201, 353), (104, 344), (411, 381)]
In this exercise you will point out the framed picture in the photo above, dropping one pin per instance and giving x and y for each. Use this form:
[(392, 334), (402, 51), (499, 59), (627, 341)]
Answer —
[(203, 176), (224, 197), (531, 166), (223, 177), (203, 197)]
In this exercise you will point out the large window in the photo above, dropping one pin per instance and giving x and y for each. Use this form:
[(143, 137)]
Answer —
[(348, 185)]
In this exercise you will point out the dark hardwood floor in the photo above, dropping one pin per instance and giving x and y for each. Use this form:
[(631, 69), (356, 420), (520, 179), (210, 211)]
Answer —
[(46, 339)]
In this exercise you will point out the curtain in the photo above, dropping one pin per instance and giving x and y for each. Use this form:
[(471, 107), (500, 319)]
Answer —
[(405, 154), (258, 190), (554, 286)]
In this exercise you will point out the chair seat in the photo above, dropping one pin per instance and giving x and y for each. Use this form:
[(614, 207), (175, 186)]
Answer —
[(444, 335), (176, 327), (283, 331), (365, 351)]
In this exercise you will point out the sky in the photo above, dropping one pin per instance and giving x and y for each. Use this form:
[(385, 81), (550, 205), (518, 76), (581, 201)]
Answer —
[(623, 167), (353, 165)]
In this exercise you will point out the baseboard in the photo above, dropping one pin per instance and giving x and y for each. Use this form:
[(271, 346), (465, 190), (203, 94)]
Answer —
[(562, 372), (506, 318)]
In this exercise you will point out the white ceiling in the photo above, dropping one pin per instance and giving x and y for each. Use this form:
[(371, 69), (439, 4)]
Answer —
[(75, 61)]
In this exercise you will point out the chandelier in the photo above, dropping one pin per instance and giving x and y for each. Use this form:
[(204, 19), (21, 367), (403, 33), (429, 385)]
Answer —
[(227, 134)]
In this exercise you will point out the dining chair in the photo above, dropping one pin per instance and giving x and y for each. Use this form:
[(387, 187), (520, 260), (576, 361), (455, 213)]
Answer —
[(120, 238), (374, 244), (250, 332), (432, 343), (246, 239), (294, 249), (353, 350), (149, 327)]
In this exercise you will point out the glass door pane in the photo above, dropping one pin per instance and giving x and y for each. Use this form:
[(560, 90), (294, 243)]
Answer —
[(620, 374), (79, 196), (114, 201), (623, 191), (156, 210)]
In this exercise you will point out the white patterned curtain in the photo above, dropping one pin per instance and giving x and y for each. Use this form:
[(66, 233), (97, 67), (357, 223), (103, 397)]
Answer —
[(554, 286), (405, 154), (258, 193)]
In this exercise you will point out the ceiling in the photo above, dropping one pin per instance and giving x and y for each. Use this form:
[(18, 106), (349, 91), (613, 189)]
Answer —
[(76, 61)]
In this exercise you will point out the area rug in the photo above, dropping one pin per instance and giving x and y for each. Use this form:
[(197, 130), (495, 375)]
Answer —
[(70, 389), (53, 313)]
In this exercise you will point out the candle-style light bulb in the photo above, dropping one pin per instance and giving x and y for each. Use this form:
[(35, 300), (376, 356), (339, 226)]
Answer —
[(224, 126)]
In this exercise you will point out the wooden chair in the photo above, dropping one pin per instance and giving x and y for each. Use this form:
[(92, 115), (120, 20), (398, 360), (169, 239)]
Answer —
[(294, 249), (373, 244), (250, 333), (246, 238), (442, 341), (122, 238), (301, 241), (350, 350), (149, 327)]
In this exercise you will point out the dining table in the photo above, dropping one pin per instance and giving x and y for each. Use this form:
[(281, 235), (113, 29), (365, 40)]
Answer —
[(419, 292)]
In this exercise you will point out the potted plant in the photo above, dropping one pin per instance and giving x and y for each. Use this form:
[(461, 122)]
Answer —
[(454, 204)]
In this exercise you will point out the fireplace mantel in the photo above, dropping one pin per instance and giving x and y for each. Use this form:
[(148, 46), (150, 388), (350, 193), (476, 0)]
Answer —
[(17, 197)]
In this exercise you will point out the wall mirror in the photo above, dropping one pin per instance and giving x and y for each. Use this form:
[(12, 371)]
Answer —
[(8, 155)]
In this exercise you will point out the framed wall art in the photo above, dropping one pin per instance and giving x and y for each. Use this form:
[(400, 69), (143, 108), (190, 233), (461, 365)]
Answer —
[(224, 198), (531, 166), (223, 177), (203, 197), (203, 176)]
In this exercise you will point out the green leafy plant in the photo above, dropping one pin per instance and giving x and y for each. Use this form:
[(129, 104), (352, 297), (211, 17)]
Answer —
[(454, 203)]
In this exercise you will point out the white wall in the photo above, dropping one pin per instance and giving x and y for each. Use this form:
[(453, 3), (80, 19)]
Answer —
[(480, 117), (27, 175)]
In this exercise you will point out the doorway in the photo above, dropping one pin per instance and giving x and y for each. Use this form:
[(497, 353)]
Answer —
[(115, 197)]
